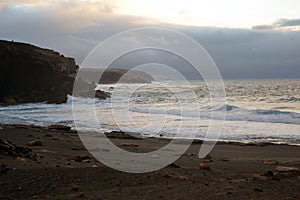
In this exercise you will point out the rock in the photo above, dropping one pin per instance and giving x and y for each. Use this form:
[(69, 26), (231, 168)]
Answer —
[(74, 187), (268, 174), (81, 158), (261, 177), (4, 169), (86, 161), (129, 145), (79, 195), (19, 188), (287, 169), (21, 159), (122, 135), (29, 74), (207, 157), (8, 148), (35, 143), (258, 190), (59, 127), (48, 135), (9, 100), (271, 162), (204, 166), (184, 178)]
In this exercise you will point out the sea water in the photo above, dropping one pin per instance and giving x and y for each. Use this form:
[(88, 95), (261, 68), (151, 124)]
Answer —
[(256, 111)]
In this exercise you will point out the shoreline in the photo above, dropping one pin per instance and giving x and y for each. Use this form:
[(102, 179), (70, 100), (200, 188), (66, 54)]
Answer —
[(120, 135), (43, 163)]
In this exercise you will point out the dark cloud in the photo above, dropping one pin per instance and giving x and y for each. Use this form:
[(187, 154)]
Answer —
[(290, 22), (75, 29), (281, 23)]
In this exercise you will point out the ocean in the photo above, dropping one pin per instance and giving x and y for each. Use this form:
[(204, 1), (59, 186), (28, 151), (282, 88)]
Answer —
[(257, 111)]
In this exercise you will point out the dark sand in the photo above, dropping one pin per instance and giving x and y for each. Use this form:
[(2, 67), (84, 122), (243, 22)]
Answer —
[(236, 171)]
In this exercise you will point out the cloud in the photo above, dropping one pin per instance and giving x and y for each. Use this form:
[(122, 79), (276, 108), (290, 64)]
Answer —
[(74, 28), (279, 24)]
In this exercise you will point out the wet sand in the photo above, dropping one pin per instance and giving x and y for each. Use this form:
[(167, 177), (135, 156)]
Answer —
[(59, 167)]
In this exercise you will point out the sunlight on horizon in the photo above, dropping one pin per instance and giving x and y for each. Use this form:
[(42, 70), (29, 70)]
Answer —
[(230, 13)]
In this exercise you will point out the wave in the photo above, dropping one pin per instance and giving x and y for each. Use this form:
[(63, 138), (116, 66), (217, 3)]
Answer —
[(233, 113)]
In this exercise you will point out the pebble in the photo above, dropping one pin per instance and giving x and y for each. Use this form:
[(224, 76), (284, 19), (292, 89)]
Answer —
[(35, 143), (261, 177), (287, 169), (4, 169), (271, 162), (204, 166), (80, 158), (182, 178), (79, 195), (258, 190), (59, 127), (74, 187), (268, 174)]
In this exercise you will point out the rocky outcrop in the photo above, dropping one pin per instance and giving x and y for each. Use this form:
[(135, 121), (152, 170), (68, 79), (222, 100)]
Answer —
[(29, 74), (112, 76)]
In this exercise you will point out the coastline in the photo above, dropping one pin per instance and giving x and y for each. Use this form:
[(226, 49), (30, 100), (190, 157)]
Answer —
[(60, 168)]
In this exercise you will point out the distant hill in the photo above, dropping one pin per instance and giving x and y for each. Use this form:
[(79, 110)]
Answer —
[(112, 76)]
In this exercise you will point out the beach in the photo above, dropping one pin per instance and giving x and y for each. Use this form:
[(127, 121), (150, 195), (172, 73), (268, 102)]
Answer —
[(56, 165)]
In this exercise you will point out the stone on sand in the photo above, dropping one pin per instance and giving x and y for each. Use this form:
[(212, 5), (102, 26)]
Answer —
[(35, 143), (271, 162), (59, 127), (204, 166), (287, 169), (74, 187), (80, 158)]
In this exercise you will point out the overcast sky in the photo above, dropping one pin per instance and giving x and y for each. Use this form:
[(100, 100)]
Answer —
[(246, 39)]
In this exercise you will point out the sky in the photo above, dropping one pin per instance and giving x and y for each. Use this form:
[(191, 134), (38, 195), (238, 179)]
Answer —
[(248, 39)]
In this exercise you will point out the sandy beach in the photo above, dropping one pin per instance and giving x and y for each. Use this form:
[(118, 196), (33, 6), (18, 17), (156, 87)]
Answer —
[(55, 165)]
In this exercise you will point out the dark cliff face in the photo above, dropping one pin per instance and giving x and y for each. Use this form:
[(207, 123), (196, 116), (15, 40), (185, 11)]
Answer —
[(30, 74)]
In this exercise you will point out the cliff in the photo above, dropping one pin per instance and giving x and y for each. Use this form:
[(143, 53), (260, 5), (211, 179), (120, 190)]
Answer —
[(29, 74)]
